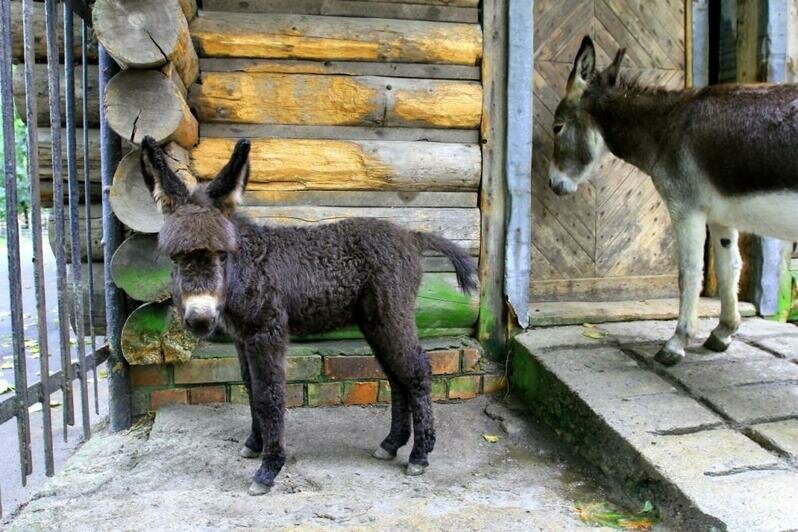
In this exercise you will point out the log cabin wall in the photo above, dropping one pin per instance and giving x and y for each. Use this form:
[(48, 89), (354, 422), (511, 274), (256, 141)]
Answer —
[(612, 240)]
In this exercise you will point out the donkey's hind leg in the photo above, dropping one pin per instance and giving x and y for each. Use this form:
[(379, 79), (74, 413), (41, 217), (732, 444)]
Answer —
[(728, 264), (399, 434), (254, 444)]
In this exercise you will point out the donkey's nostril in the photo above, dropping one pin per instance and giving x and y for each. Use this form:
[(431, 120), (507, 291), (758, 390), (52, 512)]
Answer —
[(199, 324)]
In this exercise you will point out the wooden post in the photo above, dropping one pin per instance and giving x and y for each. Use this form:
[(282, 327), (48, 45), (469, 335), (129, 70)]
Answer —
[(146, 102), (491, 327), (146, 34)]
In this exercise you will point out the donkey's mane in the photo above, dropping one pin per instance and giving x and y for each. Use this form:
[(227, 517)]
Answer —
[(654, 98)]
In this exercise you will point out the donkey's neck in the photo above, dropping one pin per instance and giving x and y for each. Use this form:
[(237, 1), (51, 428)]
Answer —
[(636, 123)]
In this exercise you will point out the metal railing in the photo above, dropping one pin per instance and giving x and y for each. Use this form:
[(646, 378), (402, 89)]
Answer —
[(70, 285)]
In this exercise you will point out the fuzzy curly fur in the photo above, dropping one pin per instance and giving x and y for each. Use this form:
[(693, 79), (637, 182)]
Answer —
[(274, 281)]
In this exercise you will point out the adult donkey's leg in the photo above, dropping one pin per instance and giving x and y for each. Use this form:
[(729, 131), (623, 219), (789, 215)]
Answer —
[(254, 444), (265, 354), (691, 233), (728, 264)]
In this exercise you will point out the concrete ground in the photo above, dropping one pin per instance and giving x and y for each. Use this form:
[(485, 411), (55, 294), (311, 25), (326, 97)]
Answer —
[(712, 441), (183, 472)]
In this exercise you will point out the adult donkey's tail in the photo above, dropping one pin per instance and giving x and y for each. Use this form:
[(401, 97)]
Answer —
[(464, 267)]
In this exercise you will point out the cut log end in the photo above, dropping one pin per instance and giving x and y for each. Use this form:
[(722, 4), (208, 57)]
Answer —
[(139, 269)]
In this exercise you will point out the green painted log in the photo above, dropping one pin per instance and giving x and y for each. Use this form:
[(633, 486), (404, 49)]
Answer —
[(139, 269), (153, 334)]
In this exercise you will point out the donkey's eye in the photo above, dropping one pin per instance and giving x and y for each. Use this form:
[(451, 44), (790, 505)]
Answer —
[(558, 128), (223, 256)]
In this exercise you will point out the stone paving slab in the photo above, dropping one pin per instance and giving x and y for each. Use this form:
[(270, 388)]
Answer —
[(712, 441)]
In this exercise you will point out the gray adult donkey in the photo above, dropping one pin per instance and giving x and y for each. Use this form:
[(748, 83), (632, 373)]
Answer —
[(262, 283), (726, 156)]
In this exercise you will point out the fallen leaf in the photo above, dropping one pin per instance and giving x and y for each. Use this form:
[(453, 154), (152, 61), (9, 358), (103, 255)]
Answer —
[(55, 404), (103, 373), (602, 514), (490, 438), (595, 335), (5, 387), (7, 365), (588, 326)]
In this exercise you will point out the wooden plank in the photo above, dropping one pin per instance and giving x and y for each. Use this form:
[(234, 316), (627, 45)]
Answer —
[(39, 42), (407, 134), (42, 95), (349, 68), (459, 225), (357, 198), (492, 324), (349, 8), (301, 99), (460, 3), (218, 34), (605, 288), (577, 312), (296, 164)]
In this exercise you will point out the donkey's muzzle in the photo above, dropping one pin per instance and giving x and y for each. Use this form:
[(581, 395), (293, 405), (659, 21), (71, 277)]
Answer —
[(200, 324)]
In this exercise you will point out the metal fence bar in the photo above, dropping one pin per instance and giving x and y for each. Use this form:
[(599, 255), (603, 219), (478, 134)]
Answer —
[(110, 152), (12, 234), (58, 207), (74, 217), (36, 225), (84, 48)]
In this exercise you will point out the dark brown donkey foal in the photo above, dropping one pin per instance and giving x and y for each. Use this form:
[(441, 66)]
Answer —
[(263, 283)]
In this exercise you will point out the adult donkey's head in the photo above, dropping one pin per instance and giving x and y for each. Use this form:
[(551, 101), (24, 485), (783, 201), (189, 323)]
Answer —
[(578, 140), (198, 233)]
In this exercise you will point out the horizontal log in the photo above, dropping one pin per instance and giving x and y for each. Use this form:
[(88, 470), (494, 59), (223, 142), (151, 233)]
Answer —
[(39, 41), (132, 201), (97, 290), (349, 68), (96, 234), (146, 34), (46, 154), (349, 8), (42, 95), (147, 102), (219, 34), (459, 225), (46, 188), (348, 198), (292, 164), (139, 269), (408, 134), (152, 334), (301, 99)]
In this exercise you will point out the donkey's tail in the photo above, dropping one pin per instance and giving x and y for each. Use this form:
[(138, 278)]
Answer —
[(463, 265)]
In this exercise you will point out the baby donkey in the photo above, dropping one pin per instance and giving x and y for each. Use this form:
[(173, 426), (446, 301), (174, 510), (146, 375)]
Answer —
[(261, 284)]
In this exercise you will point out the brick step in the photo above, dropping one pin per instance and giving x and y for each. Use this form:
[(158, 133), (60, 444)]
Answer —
[(318, 374)]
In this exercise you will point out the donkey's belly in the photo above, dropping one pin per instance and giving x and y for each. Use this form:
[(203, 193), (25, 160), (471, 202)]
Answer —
[(773, 214)]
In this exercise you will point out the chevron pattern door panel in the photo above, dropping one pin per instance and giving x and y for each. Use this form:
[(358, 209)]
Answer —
[(612, 240)]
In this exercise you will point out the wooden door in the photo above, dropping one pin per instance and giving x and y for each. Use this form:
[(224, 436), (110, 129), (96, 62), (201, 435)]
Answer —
[(612, 240)]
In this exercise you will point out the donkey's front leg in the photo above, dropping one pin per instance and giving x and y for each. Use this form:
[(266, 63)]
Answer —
[(265, 353), (728, 264), (254, 444), (690, 235)]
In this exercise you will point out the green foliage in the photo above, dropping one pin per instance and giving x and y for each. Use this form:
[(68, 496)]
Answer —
[(23, 184)]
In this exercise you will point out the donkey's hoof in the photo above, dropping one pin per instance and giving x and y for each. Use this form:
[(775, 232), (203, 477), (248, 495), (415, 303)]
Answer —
[(382, 454), (414, 470), (256, 488), (716, 344), (246, 452), (666, 357)]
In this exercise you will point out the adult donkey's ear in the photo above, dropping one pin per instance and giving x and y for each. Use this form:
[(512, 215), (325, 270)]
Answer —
[(166, 188), (227, 190), (583, 71), (610, 74)]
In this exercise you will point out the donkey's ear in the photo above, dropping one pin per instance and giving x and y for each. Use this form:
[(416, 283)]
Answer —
[(227, 190), (584, 69), (610, 74), (166, 188)]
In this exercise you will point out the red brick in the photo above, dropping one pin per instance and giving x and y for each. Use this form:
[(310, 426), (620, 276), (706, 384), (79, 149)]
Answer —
[(294, 395), (202, 370), (150, 375), (207, 394), (444, 362), (471, 358), (494, 383), (438, 389), (465, 387), (352, 367), (160, 398), (360, 393)]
